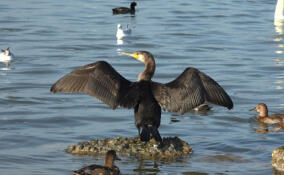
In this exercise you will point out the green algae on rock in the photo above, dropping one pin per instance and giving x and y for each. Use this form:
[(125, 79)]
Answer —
[(171, 148), (278, 158)]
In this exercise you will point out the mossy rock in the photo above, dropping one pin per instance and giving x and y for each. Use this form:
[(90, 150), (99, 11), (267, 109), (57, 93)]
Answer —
[(278, 158), (171, 148)]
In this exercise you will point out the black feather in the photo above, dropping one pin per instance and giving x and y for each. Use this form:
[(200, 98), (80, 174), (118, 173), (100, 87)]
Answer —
[(189, 90)]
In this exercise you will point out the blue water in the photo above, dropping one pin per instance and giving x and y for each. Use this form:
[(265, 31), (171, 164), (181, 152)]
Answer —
[(233, 41)]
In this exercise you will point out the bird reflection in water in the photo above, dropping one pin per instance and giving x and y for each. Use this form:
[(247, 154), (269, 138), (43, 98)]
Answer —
[(279, 24), (119, 42), (279, 29), (264, 128)]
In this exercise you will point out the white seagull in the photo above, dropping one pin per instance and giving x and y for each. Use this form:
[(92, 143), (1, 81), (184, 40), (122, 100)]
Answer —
[(122, 33), (6, 56)]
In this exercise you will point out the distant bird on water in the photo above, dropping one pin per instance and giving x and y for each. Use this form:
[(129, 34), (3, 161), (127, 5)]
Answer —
[(265, 118), (189, 90), (108, 169), (125, 10), (120, 33), (6, 56)]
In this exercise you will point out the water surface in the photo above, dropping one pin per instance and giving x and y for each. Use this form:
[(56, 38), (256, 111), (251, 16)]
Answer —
[(235, 42)]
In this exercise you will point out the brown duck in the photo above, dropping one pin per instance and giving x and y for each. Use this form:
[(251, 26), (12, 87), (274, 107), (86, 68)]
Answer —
[(265, 118), (108, 169)]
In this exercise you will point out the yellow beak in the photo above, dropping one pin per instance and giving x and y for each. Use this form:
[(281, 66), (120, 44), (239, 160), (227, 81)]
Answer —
[(134, 54)]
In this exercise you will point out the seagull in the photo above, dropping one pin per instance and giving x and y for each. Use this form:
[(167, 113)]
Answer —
[(6, 56), (122, 33)]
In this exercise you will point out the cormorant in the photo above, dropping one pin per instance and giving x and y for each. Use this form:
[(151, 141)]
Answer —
[(125, 10), (189, 90), (108, 169)]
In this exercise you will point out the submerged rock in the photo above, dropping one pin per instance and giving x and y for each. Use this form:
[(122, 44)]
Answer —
[(171, 148), (220, 158), (278, 158)]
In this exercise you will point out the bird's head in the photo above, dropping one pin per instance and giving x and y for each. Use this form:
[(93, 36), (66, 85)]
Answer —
[(146, 58), (6, 51), (143, 56), (119, 26), (261, 107), (133, 4)]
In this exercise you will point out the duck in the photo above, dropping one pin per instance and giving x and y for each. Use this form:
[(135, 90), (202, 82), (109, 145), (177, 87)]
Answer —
[(6, 56), (120, 33), (125, 10), (265, 118), (108, 169)]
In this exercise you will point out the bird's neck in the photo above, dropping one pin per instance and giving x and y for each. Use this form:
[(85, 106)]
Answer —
[(7, 53), (263, 114), (109, 163), (148, 72)]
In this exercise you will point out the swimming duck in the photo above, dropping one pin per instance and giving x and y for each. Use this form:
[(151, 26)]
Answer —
[(6, 56), (108, 169), (125, 10), (122, 33), (265, 118)]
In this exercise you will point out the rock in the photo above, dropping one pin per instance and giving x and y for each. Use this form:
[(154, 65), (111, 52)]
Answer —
[(171, 148), (278, 158)]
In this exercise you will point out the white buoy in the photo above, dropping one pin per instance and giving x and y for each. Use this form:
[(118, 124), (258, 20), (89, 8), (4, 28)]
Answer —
[(122, 33), (279, 10)]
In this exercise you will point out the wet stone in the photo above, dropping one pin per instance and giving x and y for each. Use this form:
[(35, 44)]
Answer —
[(170, 148), (278, 158)]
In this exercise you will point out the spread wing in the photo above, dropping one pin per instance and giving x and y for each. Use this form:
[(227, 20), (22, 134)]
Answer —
[(188, 91), (214, 92), (102, 81)]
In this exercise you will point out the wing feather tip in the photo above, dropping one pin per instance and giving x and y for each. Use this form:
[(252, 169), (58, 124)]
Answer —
[(231, 106)]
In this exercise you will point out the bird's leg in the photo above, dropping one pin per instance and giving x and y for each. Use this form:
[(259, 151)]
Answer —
[(138, 131)]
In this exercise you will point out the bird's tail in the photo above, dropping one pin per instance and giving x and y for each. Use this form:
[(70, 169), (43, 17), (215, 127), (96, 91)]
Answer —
[(148, 131)]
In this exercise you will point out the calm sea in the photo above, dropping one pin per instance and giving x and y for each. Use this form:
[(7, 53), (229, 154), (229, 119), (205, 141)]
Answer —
[(233, 41)]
